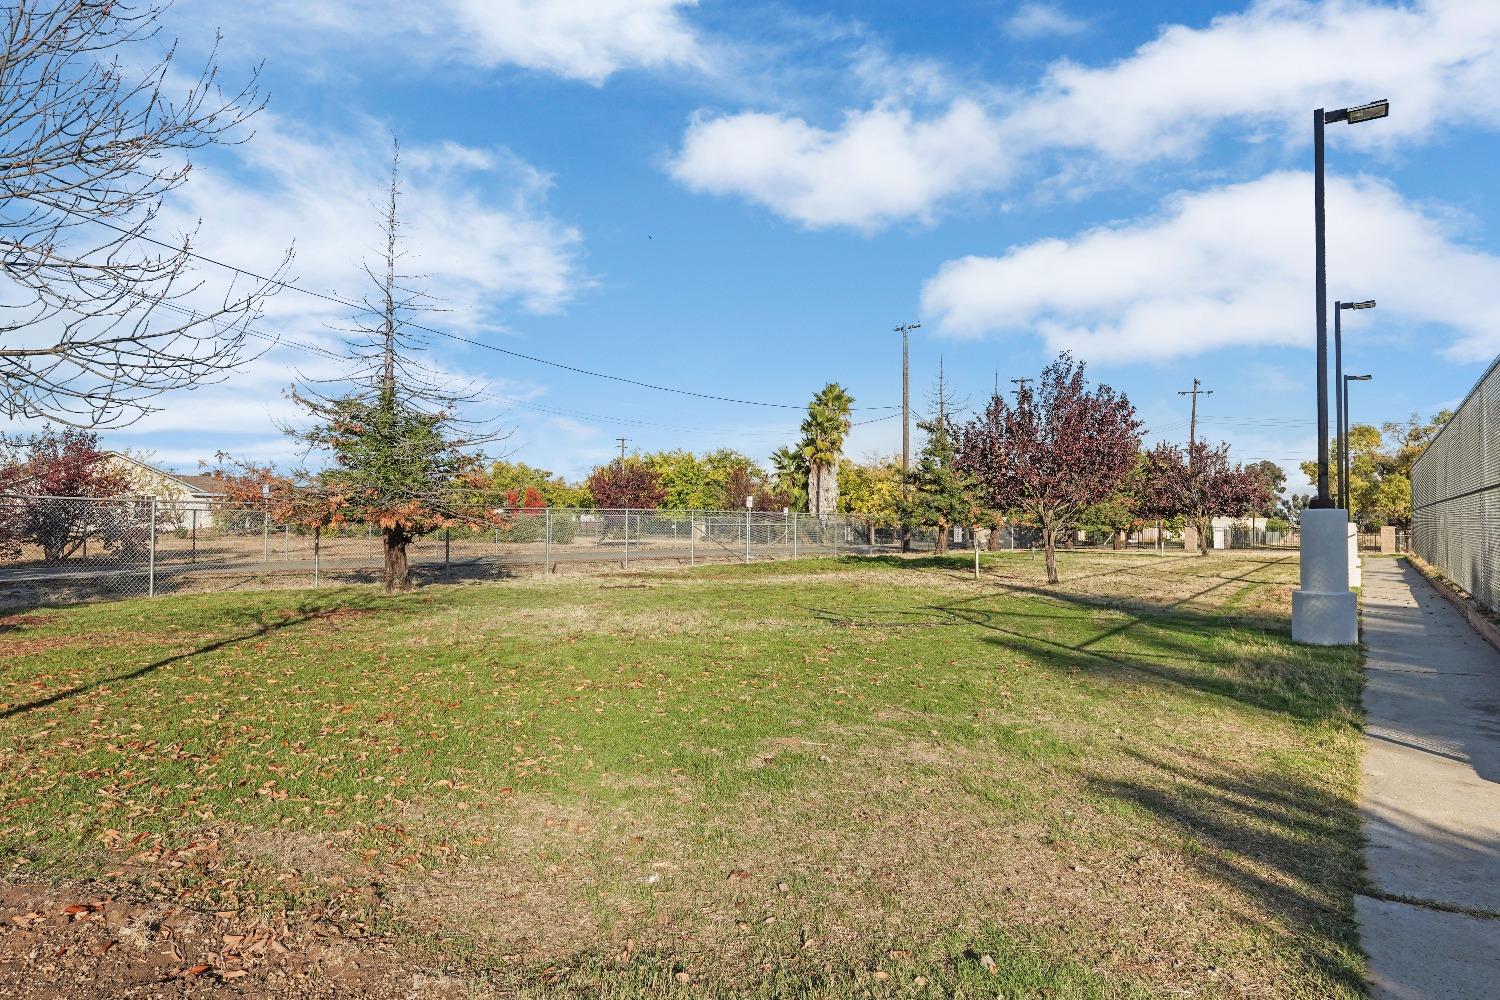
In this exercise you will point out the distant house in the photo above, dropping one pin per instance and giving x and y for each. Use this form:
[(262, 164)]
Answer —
[(185, 499)]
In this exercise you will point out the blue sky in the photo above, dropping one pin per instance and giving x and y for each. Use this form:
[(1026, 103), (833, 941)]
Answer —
[(743, 199)]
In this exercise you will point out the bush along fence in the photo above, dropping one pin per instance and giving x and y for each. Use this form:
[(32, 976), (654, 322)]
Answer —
[(65, 549)]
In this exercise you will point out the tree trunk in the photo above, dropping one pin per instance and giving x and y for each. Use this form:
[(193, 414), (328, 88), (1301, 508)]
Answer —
[(1049, 543), (870, 532), (1119, 539), (1205, 535), (942, 538), (824, 497), (397, 575), (993, 541)]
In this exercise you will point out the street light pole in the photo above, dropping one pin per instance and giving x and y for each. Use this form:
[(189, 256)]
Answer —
[(1363, 113), (1343, 402), (905, 330), (1344, 441), (1338, 383), (1320, 296), (1324, 611)]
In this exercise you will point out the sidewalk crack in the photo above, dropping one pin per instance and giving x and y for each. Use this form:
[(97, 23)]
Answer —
[(1432, 904)]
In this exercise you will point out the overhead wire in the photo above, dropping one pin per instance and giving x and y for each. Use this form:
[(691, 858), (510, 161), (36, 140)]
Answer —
[(349, 304)]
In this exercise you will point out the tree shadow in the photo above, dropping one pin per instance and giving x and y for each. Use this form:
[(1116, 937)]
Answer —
[(1289, 845), (300, 615)]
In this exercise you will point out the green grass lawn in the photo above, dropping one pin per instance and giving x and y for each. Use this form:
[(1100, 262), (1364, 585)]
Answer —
[(826, 778)]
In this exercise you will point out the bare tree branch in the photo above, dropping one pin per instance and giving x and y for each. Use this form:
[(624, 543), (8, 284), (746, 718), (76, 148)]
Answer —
[(89, 148)]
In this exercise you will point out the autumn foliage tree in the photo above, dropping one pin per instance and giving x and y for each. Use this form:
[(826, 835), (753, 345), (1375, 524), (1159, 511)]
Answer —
[(1056, 450), (1199, 484), (626, 483), (399, 458), (51, 464)]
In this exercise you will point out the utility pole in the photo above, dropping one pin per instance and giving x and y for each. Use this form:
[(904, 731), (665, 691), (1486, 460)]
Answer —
[(622, 449), (1020, 383), (1195, 392), (905, 330)]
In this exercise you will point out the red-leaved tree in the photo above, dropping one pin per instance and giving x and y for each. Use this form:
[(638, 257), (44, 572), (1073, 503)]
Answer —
[(623, 483), (56, 463), (1056, 450), (1199, 484)]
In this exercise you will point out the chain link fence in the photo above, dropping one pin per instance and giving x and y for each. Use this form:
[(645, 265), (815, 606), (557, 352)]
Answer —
[(70, 549), (1454, 500)]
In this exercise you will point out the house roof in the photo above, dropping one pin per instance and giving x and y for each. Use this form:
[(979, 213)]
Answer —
[(201, 485)]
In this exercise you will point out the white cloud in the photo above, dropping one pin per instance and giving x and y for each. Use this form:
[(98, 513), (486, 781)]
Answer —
[(1228, 266), (881, 165), (473, 219), (1043, 20), (585, 40), (1256, 74)]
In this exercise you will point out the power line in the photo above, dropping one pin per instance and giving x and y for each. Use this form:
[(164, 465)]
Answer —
[(433, 330), (277, 340)]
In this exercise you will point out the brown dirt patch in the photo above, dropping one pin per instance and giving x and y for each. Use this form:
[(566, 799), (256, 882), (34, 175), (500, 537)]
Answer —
[(76, 941)]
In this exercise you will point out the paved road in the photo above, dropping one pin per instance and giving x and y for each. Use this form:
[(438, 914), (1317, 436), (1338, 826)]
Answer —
[(1431, 800)]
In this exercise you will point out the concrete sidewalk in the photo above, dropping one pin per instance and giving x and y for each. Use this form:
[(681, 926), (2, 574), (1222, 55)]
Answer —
[(1431, 799)]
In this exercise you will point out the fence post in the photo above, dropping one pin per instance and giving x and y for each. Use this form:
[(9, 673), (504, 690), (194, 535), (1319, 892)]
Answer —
[(627, 538), (835, 541), (193, 557), (747, 537), (265, 536), (795, 521), (547, 544), (447, 549), (151, 567), (286, 543), (317, 556), (692, 538)]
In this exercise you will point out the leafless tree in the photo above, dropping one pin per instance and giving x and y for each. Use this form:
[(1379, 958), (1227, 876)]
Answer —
[(98, 312)]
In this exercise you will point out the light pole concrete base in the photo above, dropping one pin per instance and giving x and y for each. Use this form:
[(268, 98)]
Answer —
[(1324, 612)]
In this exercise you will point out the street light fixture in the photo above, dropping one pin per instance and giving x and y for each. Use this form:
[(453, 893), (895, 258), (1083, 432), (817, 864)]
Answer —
[(1344, 440), (1362, 113), (1338, 380)]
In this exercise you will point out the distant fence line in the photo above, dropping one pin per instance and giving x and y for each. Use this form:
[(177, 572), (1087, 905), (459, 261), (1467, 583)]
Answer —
[(82, 548), (1455, 494)]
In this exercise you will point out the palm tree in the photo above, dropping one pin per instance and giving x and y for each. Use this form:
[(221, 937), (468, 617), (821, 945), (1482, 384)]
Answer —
[(790, 471), (823, 434)]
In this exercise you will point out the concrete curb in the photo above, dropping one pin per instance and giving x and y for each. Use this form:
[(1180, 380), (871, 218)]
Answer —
[(1476, 618)]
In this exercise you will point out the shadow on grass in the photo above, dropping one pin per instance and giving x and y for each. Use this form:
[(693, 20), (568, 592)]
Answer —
[(308, 611), (1291, 846), (1245, 657)]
